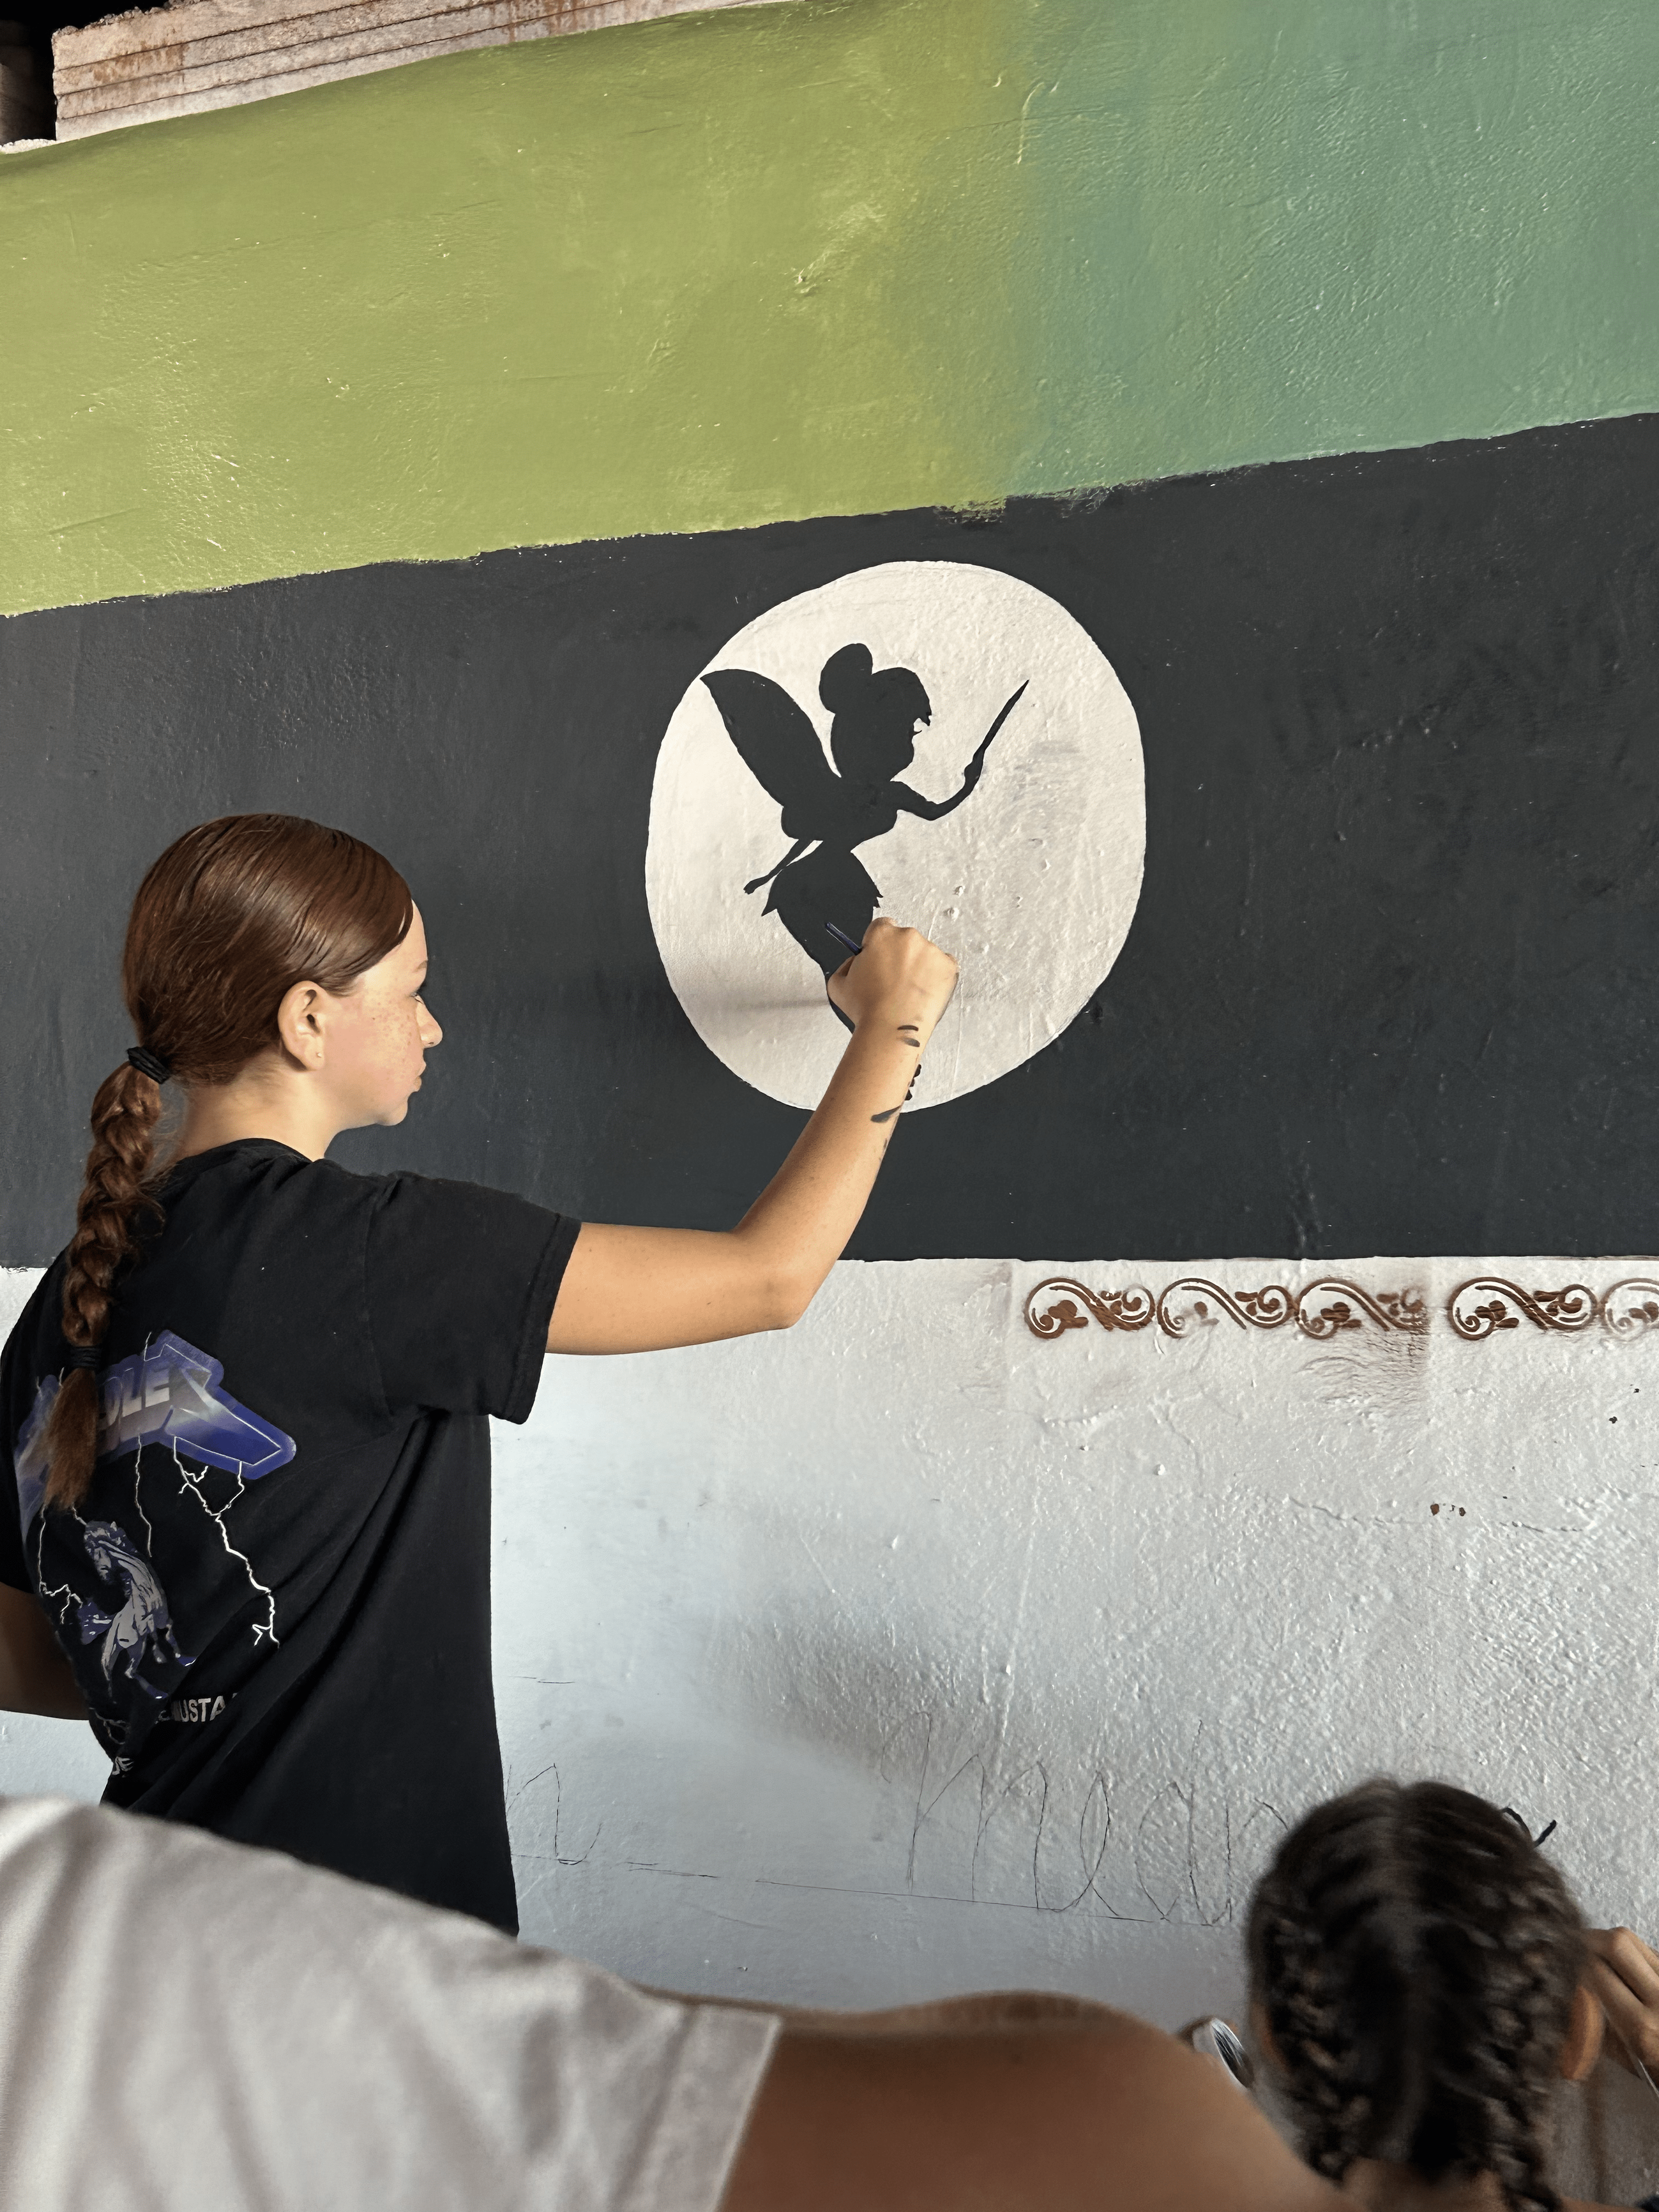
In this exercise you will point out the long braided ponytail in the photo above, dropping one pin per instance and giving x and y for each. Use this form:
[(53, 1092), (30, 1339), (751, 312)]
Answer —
[(1416, 1957), (226, 922)]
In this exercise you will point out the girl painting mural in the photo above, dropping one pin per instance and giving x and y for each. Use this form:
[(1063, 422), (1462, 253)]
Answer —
[(273, 1606)]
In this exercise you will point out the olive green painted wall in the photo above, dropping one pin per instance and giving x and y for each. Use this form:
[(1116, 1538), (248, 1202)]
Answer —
[(826, 257)]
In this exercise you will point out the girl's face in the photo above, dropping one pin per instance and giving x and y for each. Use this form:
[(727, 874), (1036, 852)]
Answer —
[(376, 1037)]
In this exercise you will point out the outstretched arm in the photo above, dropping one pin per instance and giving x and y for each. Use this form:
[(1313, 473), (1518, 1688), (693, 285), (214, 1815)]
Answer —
[(931, 810), (643, 1289)]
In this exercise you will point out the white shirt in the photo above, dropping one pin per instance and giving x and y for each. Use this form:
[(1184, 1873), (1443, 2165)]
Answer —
[(191, 2026)]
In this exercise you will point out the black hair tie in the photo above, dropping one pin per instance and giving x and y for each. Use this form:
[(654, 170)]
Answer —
[(1525, 1826), (89, 1355), (148, 1063)]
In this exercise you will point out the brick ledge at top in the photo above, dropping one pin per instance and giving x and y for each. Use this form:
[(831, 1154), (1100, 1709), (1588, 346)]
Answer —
[(158, 62)]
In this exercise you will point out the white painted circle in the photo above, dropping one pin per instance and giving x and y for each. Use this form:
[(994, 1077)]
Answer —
[(1031, 882)]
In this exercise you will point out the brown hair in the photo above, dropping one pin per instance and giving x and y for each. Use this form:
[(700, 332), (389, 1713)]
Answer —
[(1416, 1956), (230, 918)]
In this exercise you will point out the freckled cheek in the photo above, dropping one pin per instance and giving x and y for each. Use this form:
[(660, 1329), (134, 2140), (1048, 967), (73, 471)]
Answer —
[(391, 1031), (392, 1048)]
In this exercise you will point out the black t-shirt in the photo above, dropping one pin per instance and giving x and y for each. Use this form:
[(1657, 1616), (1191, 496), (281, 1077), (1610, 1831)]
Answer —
[(276, 1595)]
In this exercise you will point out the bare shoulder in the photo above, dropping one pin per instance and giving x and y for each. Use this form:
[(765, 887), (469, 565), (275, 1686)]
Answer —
[(1024, 2101), (1192, 2138)]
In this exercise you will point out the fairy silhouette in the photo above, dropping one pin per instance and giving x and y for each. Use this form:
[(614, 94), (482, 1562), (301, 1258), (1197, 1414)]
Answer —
[(828, 811)]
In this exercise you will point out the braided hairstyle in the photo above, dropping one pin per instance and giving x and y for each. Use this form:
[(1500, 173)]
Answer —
[(1416, 1957), (226, 922)]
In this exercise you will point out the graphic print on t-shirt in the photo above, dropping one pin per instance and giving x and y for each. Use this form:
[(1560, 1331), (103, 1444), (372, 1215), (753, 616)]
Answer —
[(170, 1393), (140, 1627)]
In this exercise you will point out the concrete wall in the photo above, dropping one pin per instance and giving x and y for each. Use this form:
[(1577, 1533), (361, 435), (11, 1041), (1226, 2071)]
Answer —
[(911, 1652), (833, 257)]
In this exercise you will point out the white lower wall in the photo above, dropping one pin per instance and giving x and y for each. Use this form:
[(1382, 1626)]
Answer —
[(907, 1653)]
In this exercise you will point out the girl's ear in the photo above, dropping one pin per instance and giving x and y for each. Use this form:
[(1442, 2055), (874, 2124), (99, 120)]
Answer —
[(1586, 2024), (298, 1024)]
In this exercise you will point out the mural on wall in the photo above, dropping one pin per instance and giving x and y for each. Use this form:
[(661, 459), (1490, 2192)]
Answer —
[(1379, 979), (985, 1630), (969, 674)]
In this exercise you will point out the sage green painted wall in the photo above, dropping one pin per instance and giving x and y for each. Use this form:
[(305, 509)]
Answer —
[(824, 257), (1267, 228)]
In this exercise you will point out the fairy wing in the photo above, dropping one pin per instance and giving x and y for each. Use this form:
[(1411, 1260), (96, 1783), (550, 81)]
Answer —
[(780, 748)]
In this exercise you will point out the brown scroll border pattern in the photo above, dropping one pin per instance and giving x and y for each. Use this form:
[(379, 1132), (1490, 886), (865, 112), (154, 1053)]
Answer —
[(1477, 1310)]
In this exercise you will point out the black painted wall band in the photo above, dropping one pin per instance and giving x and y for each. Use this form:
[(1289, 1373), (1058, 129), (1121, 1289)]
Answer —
[(1389, 988)]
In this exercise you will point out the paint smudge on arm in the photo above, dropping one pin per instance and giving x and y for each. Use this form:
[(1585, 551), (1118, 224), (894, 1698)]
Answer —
[(879, 1119)]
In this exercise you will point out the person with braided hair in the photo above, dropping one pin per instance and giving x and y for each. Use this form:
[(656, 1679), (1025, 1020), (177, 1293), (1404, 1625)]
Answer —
[(1421, 1978), (1421, 1982), (246, 1533)]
